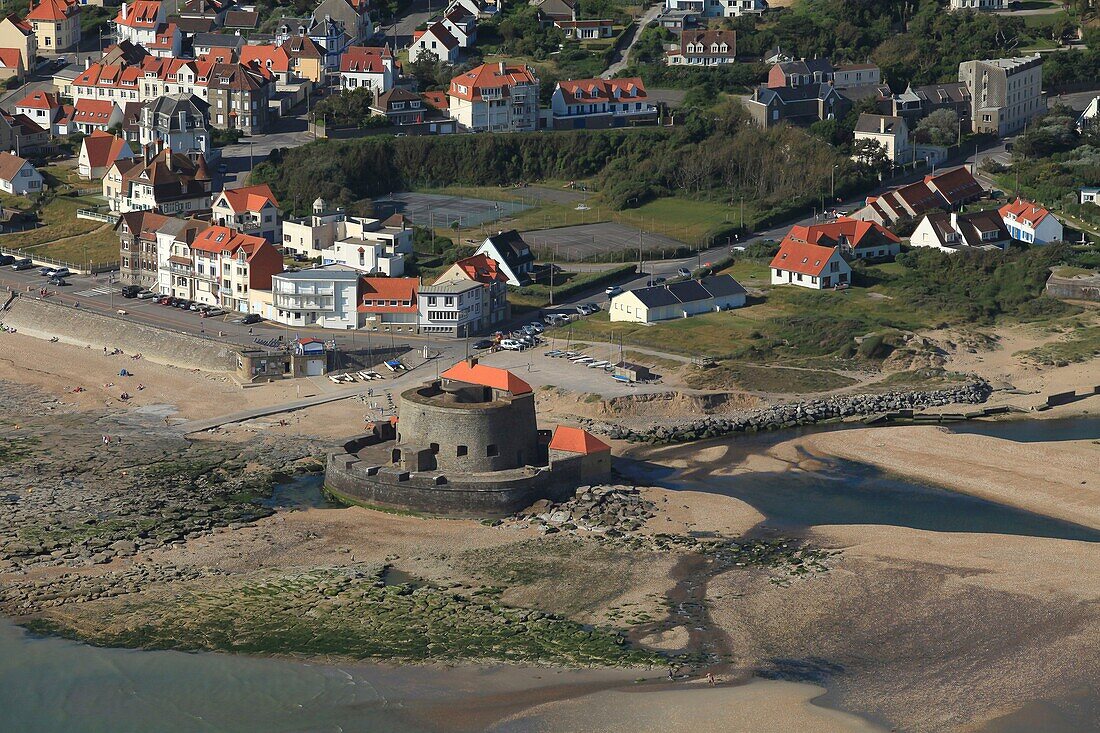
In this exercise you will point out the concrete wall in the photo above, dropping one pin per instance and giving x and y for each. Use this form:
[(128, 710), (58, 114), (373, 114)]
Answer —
[(1075, 288), (349, 480), (46, 319)]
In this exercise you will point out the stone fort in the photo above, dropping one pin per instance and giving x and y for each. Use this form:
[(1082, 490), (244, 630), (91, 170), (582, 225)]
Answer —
[(466, 444)]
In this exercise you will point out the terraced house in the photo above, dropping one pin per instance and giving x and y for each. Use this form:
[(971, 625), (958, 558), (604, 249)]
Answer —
[(704, 48), (599, 103), (56, 25), (226, 265)]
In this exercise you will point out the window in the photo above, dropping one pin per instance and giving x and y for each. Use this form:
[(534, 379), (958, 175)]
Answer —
[(434, 448), (461, 451), (491, 451)]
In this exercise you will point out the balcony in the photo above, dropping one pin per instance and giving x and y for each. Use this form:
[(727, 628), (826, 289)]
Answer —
[(304, 302)]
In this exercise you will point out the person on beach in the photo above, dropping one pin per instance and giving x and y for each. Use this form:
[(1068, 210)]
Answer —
[(710, 678)]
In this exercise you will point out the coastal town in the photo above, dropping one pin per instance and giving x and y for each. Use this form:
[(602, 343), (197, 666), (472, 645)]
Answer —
[(362, 334)]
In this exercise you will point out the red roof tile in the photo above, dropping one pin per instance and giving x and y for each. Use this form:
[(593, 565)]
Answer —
[(576, 440), (1024, 211), (490, 76), (808, 259), (487, 376)]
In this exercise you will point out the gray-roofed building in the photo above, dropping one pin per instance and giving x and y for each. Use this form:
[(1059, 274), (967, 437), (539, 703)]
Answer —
[(802, 104), (889, 132), (955, 232), (181, 121), (203, 43), (514, 256), (677, 300)]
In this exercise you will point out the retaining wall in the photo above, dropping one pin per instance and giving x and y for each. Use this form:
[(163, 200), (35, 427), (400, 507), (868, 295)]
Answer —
[(348, 480), (45, 319)]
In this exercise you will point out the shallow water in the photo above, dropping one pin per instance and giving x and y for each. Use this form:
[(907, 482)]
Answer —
[(849, 492), (300, 492), (1085, 427)]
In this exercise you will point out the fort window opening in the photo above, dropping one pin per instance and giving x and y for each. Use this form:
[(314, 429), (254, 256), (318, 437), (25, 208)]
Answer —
[(462, 450), (434, 447), (395, 456), (491, 451)]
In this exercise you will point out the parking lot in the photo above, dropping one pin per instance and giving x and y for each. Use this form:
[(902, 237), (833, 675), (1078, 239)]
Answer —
[(536, 368), (580, 242), (439, 210)]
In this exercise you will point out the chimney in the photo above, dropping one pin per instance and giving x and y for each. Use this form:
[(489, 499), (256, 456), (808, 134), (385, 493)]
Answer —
[(500, 65), (124, 10), (882, 125), (955, 221)]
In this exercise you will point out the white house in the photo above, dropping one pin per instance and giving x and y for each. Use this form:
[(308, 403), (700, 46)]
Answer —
[(1090, 195), (888, 132), (18, 176), (596, 103), (463, 26), (251, 210), (809, 266), (1030, 223), (40, 107), (512, 255), (98, 152), (719, 8), (495, 97), (1091, 115), (363, 67), (955, 232), (677, 300), (90, 115), (367, 257), (436, 42), (326, 297)]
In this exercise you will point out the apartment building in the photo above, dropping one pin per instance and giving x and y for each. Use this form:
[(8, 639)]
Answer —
[(137, 235), (599, 103), (1005, 94), (326, 297), (495, 97), (224, 266), (468, 299), (238, 98)]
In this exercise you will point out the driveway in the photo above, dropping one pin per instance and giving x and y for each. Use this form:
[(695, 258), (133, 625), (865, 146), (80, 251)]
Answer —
[(635, 31)]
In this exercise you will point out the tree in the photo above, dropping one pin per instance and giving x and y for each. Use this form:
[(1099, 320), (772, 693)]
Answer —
[(871, 155), (939, 128)]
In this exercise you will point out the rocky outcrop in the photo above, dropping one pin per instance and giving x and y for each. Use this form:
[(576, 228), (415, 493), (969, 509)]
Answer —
[(795, 414)]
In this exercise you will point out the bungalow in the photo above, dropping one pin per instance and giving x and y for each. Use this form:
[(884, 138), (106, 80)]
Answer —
[(389, 303), (809, 266), (18, 176), (1028, 222), (514, 257), (856, 239), (677, 300), (1090, 195), (98, 152), (585, 30), (90, 115), (437, 42), (955, 232)]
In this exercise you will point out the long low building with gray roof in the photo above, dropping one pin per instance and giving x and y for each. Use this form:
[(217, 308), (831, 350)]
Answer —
[(678, 300)]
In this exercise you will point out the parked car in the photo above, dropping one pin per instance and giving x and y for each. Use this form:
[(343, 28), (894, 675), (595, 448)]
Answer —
[(198, 307), (511, 345), (58, 281), (537, 326), (130, 291), (61, 272), (45, 271), (23, 264), (683, 272), (215, 312), (6, 260), (251, 318), (163, 300), (183, 304), (146, 295), (613, 291), (482, 344)]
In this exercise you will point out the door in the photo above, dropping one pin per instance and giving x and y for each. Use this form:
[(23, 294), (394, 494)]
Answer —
[(313, 368)]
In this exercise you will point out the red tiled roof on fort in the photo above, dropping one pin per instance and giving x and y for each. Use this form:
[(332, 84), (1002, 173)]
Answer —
[(808, 259), (487, 376), (576, 440)]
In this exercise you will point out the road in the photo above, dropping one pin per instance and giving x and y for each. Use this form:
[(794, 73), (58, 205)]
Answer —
[(636, 32), (400, 34), (287, 132)]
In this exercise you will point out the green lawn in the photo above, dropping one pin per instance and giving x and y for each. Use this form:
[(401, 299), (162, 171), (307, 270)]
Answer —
[(59, 222)]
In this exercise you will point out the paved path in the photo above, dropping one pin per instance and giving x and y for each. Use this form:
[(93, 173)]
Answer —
[(624, 55)]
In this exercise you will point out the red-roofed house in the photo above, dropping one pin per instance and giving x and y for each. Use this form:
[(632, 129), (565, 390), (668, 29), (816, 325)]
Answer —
[(367, 67), (809, 266), (495, 97), (18, 33), (98, 152), (139, 21), (436, 42), (42, 107), (388, 303), (471, 372), (576, 440), (90, 115), (599, 103), (11, 64), (948, 190), (1031, 223), (56, 25), (469, 298), (856, 239), (228, 265), (251, 210)]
